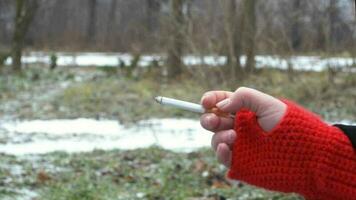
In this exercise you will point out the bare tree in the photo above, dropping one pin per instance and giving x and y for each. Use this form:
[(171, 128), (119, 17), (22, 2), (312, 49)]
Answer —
[(25, 12), (62, 24), (175, 51), (2, 31), (333, 24), (153, 8), (111, 21), (250, 32), (91, 20), (331, 36), (295, 29), (319, 22), (234, 29), (295, 41)]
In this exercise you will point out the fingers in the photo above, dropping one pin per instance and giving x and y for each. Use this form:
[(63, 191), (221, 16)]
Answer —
[(222, 143), (227, 136), (268, 109), (212, 122), (211, 98), (243, 97), (249, 98), (223, 154)]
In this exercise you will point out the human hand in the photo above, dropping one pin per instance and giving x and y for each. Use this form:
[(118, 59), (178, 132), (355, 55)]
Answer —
[(268, 109)]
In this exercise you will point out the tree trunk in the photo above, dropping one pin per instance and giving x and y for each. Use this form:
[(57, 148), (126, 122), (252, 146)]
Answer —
[(189, 17), (295, 30), (2, 31), (333, 20), (152, 11), (25, 11), (91, 21), (111, 22), (234, 28), (152, 22), (250, 26), (175, 51)]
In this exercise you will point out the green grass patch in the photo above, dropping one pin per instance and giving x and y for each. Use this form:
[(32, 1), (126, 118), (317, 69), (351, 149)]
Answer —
[(150, 173)]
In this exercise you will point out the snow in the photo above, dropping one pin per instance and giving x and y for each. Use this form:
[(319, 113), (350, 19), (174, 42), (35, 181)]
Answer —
[(61, 127), (83, 59), (83, 135), (22, 194)]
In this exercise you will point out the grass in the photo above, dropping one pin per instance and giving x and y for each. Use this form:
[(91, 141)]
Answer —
[(150, 173), (73, 93)]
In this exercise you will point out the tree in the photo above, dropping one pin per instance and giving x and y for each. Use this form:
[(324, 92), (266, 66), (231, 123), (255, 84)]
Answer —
[(296, 38), (250, 32), (111, 21), (176, 39), (295, 33), (234, 29), (152, 9), (91, 20), (333, 25), (332, 36), (25, 12), (2, 30)]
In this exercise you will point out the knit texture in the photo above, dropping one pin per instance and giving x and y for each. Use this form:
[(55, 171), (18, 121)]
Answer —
[(302, 154)]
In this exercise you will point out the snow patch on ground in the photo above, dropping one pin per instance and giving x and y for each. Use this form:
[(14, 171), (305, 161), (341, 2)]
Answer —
[(314, 63), (82, 135)]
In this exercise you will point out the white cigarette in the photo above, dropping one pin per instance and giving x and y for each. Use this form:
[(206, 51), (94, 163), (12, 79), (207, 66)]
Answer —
[(180, 104)]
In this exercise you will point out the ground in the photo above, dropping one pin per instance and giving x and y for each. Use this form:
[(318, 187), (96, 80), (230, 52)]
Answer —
[(152, 173)]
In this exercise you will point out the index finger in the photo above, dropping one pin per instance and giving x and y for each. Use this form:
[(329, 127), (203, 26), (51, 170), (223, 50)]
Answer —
[(211, 98)]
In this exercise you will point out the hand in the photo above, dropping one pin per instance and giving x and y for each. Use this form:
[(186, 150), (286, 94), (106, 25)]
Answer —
[(268, 109)]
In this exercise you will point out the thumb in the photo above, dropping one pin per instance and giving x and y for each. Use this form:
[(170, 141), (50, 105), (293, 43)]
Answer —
[(268, 109)]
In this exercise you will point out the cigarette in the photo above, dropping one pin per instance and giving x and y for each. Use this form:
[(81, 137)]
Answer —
[(189, 106)]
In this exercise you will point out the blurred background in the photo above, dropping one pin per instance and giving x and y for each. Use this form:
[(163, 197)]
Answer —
[(77, 81)]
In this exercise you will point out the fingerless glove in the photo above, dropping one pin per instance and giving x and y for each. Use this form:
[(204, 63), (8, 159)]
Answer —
[(302, 154)]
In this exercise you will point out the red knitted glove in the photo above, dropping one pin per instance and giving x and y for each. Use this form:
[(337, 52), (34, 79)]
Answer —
[(301, 154)]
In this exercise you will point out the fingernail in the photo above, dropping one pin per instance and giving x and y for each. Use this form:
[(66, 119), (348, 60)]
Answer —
[(223, 103)]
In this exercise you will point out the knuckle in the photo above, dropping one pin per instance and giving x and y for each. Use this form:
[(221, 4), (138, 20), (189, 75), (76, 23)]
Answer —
[(245, 94), (243, 90)]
